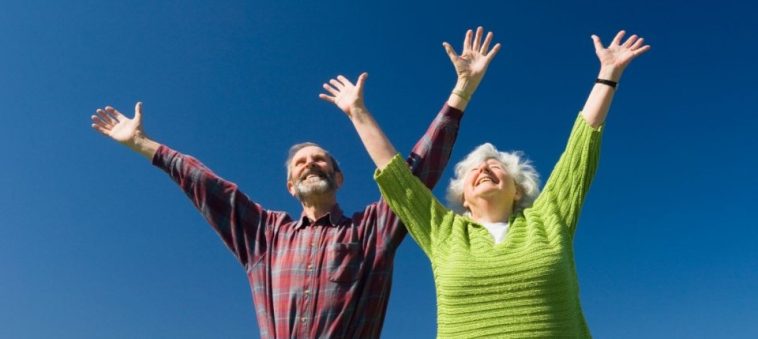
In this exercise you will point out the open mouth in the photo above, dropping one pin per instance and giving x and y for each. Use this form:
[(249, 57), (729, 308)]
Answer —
[(484, 179), (312, 176)]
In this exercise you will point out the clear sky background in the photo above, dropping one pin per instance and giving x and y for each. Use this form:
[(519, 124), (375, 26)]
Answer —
[(97, 243)]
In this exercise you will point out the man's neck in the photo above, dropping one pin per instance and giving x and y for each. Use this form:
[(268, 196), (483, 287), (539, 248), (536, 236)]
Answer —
[(317, 207)]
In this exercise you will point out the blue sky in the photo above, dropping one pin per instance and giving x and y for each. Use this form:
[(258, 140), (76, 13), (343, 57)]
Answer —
[(97, 243)]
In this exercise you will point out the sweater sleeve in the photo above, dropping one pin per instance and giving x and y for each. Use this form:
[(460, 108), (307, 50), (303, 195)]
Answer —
[(428, 221), (570, 180), (427, 161)]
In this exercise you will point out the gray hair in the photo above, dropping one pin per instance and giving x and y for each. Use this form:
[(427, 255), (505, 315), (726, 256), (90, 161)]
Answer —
[(296, 147), (516, 165)]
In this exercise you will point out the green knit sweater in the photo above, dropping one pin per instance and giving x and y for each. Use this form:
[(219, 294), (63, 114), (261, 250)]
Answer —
[(525, 286)]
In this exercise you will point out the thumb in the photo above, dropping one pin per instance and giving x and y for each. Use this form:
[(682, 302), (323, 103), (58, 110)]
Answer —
[(450, 52), (361, 81), (138, 112), (597, 43)]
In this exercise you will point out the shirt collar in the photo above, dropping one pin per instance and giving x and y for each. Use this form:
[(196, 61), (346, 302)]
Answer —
[(332, 218)]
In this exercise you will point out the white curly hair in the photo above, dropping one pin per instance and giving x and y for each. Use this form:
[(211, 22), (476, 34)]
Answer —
[(516, 165)]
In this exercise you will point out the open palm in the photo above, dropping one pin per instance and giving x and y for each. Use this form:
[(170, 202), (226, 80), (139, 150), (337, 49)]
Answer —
[(476, 56), (618, 55), (344, 94), (117, 126)]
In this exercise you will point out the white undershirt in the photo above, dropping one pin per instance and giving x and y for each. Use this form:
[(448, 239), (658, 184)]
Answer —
[(497, 229)]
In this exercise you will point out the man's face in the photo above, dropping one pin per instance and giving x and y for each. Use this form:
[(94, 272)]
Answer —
[(312, 173)]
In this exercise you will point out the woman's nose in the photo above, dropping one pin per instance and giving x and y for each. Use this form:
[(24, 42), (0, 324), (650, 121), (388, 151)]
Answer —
[(484, 168)]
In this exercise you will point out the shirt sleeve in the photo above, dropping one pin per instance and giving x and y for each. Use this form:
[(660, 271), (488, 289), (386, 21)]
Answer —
[(427, 162), (240, 222), (570, 180), (425, 218)]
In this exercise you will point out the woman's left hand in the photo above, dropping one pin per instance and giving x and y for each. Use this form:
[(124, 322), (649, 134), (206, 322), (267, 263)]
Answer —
[(618, 55)]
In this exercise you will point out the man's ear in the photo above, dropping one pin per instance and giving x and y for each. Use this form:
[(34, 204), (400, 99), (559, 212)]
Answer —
[(291, 188), (339, 179)]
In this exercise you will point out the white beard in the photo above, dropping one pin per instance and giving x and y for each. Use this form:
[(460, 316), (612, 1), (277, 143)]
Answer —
[(305, 189)]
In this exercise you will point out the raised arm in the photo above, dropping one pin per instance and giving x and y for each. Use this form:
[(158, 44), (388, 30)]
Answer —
[(613, 61), (470, 67), (239, 221), (430, 155), (569, 182), (349, 98)]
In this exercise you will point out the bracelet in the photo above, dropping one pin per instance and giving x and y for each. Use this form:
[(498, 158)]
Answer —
[(462, 95), (607, 82)]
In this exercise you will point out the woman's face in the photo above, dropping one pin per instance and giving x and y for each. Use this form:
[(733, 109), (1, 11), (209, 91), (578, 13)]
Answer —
[(489, 181)]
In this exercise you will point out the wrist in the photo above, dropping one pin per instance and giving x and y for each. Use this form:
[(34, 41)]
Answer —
[(137, 142), (143, 145), (358, 112), (466, 85), (610, 73)]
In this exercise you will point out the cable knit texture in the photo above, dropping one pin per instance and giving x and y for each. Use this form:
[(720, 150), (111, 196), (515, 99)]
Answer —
[(525, 286)]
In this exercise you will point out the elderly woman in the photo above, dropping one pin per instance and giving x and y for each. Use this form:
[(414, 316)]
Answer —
[(505, 266)]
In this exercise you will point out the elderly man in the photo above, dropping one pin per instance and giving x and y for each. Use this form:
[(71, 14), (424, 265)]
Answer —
[(324, 274)]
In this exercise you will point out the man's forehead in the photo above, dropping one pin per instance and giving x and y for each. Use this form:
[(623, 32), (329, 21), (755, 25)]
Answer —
[(309, 150)]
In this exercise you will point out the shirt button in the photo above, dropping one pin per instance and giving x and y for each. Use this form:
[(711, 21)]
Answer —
[(303, 319), (310, 267)]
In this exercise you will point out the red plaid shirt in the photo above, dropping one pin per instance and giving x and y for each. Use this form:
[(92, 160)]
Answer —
[(327, 278)]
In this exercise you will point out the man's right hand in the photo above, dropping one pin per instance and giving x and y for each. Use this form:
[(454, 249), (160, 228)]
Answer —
[(128, 132)]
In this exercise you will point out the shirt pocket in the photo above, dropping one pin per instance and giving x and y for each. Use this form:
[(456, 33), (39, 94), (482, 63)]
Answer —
[(343, 261)]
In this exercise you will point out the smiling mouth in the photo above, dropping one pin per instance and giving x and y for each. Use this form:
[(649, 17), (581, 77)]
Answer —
[(312, 176), (485, 179)]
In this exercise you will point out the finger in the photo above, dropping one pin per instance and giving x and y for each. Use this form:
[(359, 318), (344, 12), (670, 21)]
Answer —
[(337, 84), (617, 40), (100, 129), (638, 43), (630, 41), (138, 112), (486, 44), (105, 118), (331, 90), (97, 121), (598, 44), (478, 39), (641, 50), (326, 98), (493, 52), (450, 52), (115, 113), (361, 82), (467, 42), (344, 80)]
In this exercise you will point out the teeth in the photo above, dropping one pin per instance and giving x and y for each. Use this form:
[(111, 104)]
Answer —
[(484, 179)]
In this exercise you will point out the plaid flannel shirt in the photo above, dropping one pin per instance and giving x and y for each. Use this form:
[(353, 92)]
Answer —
[(325, 278)]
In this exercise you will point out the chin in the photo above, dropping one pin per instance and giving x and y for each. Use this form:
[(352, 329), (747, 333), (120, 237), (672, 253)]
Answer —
[(306, 190)]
